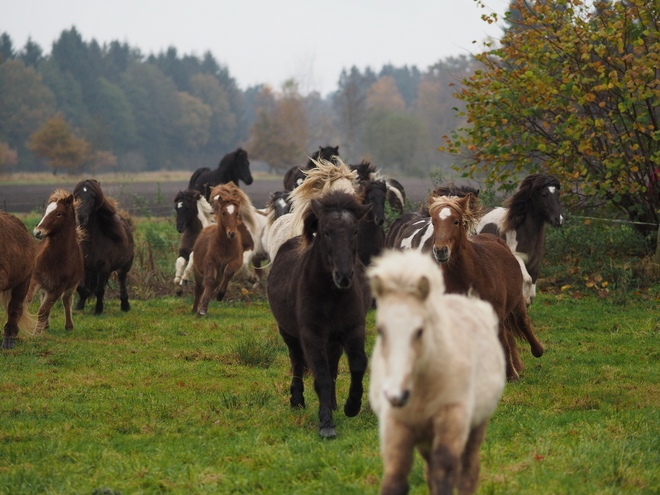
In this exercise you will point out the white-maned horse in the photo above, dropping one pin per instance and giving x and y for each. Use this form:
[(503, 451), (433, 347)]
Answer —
[(325, 177), (437, 374)]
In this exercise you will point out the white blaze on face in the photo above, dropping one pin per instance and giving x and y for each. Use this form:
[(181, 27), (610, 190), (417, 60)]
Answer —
[(552, 189), (85, 189), (444, 213), (230, 209), (179, 204), (49, 209)]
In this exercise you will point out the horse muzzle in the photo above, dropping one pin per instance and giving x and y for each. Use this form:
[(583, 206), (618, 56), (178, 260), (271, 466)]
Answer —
[(557, 221), (399, 399), (442, 254), (341, 280), (39, 234), (231, 234)]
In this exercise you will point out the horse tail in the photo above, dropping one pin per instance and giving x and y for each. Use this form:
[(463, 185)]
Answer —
[(27, 324)]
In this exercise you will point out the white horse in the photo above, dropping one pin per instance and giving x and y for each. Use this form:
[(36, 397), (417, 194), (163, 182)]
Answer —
[(326, 176), (437, 374)]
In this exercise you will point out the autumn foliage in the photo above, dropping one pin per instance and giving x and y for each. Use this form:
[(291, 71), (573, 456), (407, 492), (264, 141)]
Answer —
[(59, 145), (573, 90)]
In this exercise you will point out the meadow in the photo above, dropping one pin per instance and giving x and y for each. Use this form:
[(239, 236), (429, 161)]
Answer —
[(157, 400)]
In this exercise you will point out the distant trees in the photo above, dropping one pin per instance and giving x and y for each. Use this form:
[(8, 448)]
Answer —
[(56, 142)]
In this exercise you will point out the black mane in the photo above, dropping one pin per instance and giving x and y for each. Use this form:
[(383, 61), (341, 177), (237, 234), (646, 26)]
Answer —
[(519, 203)]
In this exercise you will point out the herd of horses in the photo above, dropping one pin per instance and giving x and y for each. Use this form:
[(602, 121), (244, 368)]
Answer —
[(451, 282)]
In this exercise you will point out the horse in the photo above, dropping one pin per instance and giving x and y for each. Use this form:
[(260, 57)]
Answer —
[(371, 234), (218, 250), (193, 213), (484, 264), (521, 223), (437, 374), (319, 296), (107, 244), (17, 259), (396, 195), (233, 167), (450, 189), (296, 175), (278, 204), (324, 177), (59, 266)]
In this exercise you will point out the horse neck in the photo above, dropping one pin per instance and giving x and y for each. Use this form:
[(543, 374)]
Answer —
[(67, 235), (194, 224), (531, 233), (461, 268)]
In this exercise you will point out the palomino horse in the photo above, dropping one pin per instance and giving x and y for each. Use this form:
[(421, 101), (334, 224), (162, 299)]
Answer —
[(193, 213), (437, 374), (218, 251), (17, 258), (319, 296), (233, 167), (60, 266), (324, 177), (522, 222), (485, 265), (107, 244)]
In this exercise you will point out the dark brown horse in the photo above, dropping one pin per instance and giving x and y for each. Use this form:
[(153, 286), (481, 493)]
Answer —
[(107, 244), (371, 234), (295, 175), (17, 256), (319, 296), (59, 267), (218, 251), (484, 265), (233, 167)]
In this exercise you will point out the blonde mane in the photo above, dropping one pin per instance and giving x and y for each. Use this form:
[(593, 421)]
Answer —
[(400, 272), (231, 192), (468, 207), (326, 176)]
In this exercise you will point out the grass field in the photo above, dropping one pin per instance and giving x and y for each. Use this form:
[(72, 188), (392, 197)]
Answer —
[(159, 401)]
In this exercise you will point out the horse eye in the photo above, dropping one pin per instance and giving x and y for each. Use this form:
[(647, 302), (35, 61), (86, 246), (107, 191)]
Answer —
[(379, 331), (59, 215), (456, 222), (326, 233), (419, 332)]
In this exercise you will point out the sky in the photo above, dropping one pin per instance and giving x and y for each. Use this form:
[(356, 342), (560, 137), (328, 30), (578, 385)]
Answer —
[(267, 41)]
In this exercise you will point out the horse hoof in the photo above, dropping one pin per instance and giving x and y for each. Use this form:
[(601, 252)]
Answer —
[(538, 351), (8, 343), (184, 282), (125, 306), (351, 408), (297, 404), (220, 296), (201, 312), (328, 432), (179, 293)]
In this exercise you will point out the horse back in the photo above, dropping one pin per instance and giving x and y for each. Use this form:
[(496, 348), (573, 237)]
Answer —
[(108, 243), (409, 231), (17, 252)]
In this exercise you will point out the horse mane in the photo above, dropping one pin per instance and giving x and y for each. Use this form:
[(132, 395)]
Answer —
[(332, 201), (324, 177), (367, 171), (469, 209), (518, 204), (104, 204), (401, 272), (230, 192), (365, 187)]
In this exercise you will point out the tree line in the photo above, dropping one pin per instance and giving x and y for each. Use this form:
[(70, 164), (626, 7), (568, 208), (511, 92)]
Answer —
[(91, 107)]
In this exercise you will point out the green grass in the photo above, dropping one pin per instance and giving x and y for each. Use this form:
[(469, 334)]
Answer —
[(159, 401)]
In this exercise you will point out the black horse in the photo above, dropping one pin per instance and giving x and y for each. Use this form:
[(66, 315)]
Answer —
[(319, 296), (107, 245), (233, 167), (371, 233), (396, 195), (295, 175)]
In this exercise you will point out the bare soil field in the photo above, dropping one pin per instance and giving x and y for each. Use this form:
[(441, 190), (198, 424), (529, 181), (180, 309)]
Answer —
[(146, 194)]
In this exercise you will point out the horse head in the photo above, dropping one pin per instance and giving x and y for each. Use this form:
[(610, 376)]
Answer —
[(60, 210), (227, 200), (331, 228), (185, 205), (91, 199), (452, 219), (538, 196), (242, 166), (279, 203), (375, 194)]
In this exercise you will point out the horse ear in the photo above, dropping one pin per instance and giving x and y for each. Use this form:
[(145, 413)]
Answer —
[(377, 286), (310, 223), (423, 288)]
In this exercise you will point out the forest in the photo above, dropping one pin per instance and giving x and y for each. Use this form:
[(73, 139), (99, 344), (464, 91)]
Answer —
[(87, 107)]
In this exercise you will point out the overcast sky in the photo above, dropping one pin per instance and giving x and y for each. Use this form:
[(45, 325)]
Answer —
[(266, 41)]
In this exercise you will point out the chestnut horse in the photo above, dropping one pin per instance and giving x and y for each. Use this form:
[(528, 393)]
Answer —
[(17, 258), (484, 265), (218, 251), (59, 266), (437, 374), (107, 245), (319, 296)]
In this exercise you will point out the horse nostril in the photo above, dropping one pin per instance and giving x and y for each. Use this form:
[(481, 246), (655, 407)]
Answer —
[(398, 400), (231, 235), (37, 234)]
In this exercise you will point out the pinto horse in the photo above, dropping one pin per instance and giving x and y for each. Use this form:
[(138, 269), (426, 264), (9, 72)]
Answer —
[(521, 223), (319, 296), (193, 213), (437, 374), (107, 244), (485, 265), (17, 259), (218, 251), (59, 265), (296, 175), (396, 195), (233, 167)]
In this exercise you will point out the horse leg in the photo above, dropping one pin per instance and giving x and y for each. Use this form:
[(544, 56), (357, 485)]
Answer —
[(15, 311), (227, 275), (85, 288), (210, 283), (45, 308), (67, 302), (510, 348), (199, 289), (101, 281), (397, 444), (297, 358), (123, 292), (334, 355), (179, 268), (317, 357), (524, 327), (469, 476), (357, 364), (449, 435)]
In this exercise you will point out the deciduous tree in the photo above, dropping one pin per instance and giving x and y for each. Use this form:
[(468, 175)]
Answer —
[(57, 143)]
